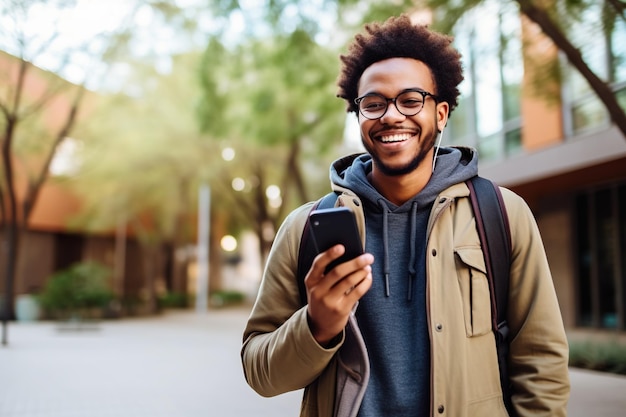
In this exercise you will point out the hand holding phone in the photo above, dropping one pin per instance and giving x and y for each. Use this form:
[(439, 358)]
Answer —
[(331, 298), (334, 226)]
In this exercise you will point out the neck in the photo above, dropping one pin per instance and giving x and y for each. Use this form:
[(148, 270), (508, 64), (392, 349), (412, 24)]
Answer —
[(401, 188)]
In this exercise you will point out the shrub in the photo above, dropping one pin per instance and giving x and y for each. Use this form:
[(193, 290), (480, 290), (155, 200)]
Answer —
[(227, 297), (174, 300), (75, 290), (600, 356)]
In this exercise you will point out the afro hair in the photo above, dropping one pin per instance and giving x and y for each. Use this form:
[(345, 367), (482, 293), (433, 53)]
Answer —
[(398, 37)]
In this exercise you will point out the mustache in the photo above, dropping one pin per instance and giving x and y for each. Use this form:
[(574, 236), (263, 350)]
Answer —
[(396, 128)]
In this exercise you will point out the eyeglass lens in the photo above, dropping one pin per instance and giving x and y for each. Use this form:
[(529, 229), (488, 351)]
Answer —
[(408, 103)]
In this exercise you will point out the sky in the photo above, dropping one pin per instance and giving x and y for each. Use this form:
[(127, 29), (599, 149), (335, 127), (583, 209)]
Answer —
[(87, 25), (88, 20), (83, 29)]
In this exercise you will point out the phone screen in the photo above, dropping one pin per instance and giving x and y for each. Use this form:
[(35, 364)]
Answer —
[(334, 226)]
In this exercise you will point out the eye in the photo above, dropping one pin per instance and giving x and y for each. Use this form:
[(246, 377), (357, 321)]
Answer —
[(372, 103), (410, 100)]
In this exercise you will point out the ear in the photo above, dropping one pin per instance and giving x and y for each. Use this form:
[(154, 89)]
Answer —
[(442, 115)]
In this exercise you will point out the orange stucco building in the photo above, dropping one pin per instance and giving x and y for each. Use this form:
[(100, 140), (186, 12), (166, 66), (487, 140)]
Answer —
[(49, 243)]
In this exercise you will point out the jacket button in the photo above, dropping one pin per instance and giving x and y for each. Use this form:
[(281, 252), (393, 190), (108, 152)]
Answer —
[(434, 252), (439, 327), (440, 409)]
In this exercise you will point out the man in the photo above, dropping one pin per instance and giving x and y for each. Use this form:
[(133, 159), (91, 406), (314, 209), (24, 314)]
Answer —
[(405, 329)]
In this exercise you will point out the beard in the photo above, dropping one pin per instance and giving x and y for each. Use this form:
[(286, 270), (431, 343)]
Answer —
[(392, 171)]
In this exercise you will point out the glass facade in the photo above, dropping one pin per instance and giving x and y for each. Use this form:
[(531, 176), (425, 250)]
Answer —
[(489, 118), (601, 257), (489, 37), (488, 115), (600, 34)]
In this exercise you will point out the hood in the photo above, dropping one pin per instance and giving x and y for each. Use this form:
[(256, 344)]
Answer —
[(454, 165)]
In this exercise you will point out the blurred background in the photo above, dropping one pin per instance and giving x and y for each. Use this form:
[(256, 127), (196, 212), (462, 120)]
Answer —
[(151, 149)]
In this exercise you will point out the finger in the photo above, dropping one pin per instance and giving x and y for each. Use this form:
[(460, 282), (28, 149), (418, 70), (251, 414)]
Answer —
[(360, 279), (322, 285), (358, 291), (347, 274), (347, 268), (321, 261)]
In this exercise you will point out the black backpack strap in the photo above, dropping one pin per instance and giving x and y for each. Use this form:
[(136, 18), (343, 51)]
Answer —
[(307, 251), (494, 233), (495, 237)]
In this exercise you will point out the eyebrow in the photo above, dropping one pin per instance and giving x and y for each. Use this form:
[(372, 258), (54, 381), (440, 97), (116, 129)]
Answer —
[(406, 90)]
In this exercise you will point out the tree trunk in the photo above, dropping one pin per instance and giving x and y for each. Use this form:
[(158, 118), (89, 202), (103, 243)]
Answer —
[(602, 89), (293, 176), (12, 238), (263, 217), (34, 187), (619, 7), (150, 256), (11, 235), (17, 221)]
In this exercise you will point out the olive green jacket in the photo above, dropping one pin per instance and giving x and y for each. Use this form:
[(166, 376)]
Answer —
[(279, 353)]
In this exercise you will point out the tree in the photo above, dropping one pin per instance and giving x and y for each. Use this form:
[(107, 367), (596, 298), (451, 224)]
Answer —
[(274, 99), (151, 186), (28, 94), (553, 18), (22, 104)]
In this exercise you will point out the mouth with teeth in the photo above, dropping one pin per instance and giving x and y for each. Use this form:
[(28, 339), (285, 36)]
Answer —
[(398, 137)]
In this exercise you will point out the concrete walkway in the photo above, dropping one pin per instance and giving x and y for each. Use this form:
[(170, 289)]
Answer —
[(179, 364), (173, 365)]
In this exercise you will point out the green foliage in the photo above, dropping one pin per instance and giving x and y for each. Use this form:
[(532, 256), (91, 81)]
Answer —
[(381, 10), (174, 300), (270, 92), (227, 297), (81, 286), (143, 155), (278, 16), (273, 100), (600, 356), (447, 13)]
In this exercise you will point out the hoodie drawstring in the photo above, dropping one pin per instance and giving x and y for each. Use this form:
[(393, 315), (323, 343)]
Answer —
[(385, 245), (413, 239), (412, 243)]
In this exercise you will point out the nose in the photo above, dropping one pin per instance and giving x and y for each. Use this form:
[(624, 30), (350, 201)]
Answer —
[(392, 115)]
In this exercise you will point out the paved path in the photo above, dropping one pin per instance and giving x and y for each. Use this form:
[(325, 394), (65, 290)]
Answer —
[(179, 364), (174, 365)]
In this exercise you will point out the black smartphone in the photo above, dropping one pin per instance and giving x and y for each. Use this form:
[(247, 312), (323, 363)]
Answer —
[(333, 226)]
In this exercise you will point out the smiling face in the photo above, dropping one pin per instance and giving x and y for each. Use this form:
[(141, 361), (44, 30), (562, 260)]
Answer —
[(400, 144)]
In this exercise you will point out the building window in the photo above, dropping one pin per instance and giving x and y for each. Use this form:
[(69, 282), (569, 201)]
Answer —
[(603, 47), (601, 257), (488, 115)]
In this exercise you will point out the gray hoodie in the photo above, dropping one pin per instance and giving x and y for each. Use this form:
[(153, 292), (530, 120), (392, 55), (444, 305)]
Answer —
[(392, 315)]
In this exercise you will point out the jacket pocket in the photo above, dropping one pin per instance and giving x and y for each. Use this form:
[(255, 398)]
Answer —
[(474, 287), (492, 407)]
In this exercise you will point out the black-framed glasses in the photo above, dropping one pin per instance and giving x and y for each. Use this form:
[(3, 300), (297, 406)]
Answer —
[(409, 102)]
